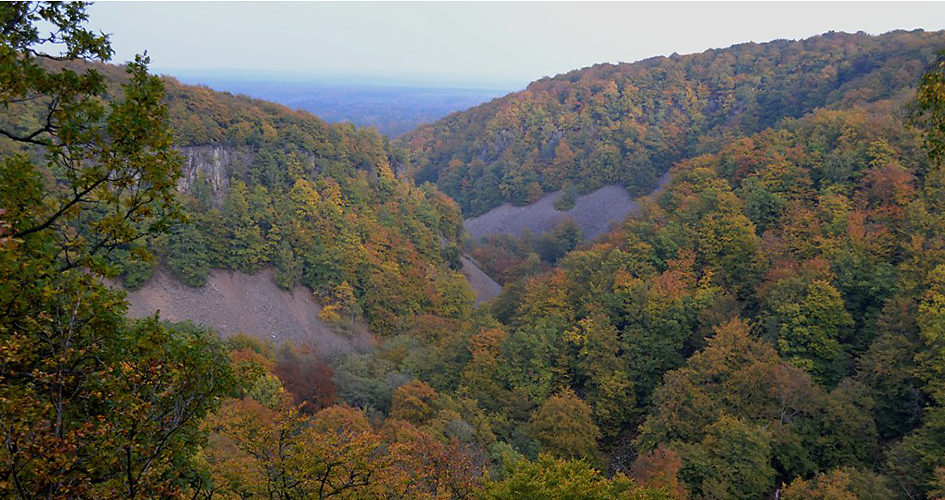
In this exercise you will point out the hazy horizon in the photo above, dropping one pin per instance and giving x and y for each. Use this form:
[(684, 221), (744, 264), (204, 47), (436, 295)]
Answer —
[(236, 76), (498, 45)]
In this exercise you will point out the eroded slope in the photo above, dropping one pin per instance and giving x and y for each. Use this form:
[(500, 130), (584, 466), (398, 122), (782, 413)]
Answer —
[(594, 212), (232, 302)]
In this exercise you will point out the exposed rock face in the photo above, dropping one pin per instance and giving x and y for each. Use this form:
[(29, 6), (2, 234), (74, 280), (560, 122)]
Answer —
[(233, 302), (594, 213), (214, 163)]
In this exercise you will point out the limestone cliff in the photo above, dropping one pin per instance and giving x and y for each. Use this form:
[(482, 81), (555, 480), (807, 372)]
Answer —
[(213, 162)]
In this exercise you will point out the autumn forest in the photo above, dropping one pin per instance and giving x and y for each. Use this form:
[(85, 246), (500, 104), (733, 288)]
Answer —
[(768, 325)]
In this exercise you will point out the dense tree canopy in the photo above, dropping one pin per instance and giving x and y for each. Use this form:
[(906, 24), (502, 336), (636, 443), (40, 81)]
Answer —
[(628, 123), (773, 324), (91, 405), (321, 204), (769, 320)]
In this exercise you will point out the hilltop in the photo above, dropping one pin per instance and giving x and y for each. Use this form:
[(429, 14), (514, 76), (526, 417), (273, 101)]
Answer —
[(770, 323), (629, 123), (327, 206)]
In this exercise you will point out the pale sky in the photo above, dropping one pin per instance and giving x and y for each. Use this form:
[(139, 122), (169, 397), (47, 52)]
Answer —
[(474, 44)]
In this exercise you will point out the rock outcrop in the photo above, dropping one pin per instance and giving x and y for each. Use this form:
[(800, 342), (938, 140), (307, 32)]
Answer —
[(213, 162)]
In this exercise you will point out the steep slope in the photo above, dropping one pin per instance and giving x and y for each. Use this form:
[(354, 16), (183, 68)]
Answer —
[(824, 236), (482, 285), (321, 205), (628, 123), (594, 213), (232, 302)]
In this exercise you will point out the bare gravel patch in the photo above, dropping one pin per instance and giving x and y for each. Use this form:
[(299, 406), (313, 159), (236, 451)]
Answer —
[(233, 302), (594, 213), (485, 287)]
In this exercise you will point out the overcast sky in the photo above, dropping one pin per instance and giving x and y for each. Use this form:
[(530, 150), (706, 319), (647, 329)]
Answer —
[(475, 44)]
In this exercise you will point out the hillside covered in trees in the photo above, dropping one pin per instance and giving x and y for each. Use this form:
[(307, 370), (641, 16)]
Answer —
[(322, 205), (319, 203), (629, 123), (772, 325)]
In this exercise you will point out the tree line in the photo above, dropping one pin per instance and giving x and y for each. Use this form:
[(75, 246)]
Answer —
[(770, 324), (629, 123)]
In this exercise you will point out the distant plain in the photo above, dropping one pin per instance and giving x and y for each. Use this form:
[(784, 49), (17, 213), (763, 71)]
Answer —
[(392, 108)]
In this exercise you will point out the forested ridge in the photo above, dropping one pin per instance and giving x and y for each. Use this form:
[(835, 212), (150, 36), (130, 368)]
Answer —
[(628, 123), (319, 203), (770, 326)]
